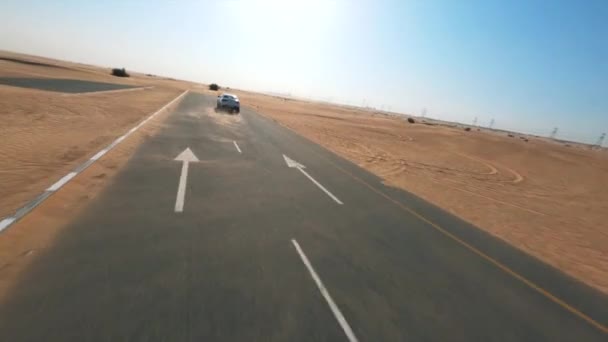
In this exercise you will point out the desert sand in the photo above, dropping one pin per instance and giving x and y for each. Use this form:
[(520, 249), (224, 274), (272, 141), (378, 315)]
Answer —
[(46, 134), (544, 197), (37, 231)]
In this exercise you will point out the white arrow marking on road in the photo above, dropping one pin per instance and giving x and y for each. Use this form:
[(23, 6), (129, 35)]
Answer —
[(237, 147), (294, 164), (185, 157)]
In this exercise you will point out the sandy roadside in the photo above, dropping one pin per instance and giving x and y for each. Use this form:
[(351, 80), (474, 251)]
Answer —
[(47, 134), (29, 237), (545, 198)]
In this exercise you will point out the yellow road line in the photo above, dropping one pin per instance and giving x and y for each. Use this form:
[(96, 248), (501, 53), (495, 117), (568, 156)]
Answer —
[(473, 249), (493, 261)]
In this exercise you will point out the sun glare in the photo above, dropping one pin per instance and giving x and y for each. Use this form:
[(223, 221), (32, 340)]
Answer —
[(286, 20)]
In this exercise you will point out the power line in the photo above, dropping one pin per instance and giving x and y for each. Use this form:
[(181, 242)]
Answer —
[(600, 140), (553, 133)]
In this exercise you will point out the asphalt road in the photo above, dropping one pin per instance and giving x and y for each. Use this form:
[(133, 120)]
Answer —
[(61, 85), (226, 268)]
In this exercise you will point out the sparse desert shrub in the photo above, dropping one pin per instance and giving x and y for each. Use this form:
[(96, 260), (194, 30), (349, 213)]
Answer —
[(411, 120), (214, 87), (511, 135), (120, 72), (467, 129)]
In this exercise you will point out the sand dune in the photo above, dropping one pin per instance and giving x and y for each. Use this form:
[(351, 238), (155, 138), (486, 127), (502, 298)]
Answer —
[(46, 134), (543, 197)]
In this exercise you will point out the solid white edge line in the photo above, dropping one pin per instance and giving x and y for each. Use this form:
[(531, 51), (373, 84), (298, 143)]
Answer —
[(119, 139), (58, 184), (336, 199), (332, 305), (237, 147), (108, 91), (99, 154), (170, 103), (6, 222)]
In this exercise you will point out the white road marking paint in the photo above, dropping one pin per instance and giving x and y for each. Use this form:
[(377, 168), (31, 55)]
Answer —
[(58, 184), (186, 157), (168, 104), (109, 91), (99, 154), (120, 139), (237, 147), (294, 164), (336, 199), (332, 305), (6, 222)]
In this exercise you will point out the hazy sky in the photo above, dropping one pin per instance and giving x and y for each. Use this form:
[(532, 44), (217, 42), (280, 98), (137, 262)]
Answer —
[(531, 65)]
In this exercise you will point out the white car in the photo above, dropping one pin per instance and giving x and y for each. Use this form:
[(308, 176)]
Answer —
[(228, 101)]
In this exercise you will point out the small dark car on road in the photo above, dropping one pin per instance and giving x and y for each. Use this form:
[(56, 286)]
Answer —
[(228, 102)]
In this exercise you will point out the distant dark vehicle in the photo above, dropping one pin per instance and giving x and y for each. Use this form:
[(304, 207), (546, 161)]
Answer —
[(214, 87), (120, 72), (228, 102)]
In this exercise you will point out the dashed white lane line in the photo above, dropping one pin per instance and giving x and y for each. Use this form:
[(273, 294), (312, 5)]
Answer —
[(58, 184), (332, 305), (237, 147)]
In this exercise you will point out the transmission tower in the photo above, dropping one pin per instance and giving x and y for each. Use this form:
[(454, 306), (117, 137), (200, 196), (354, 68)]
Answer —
[(491, 124), (553, 133), (475, 121), (423, 113), (600, 140)]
